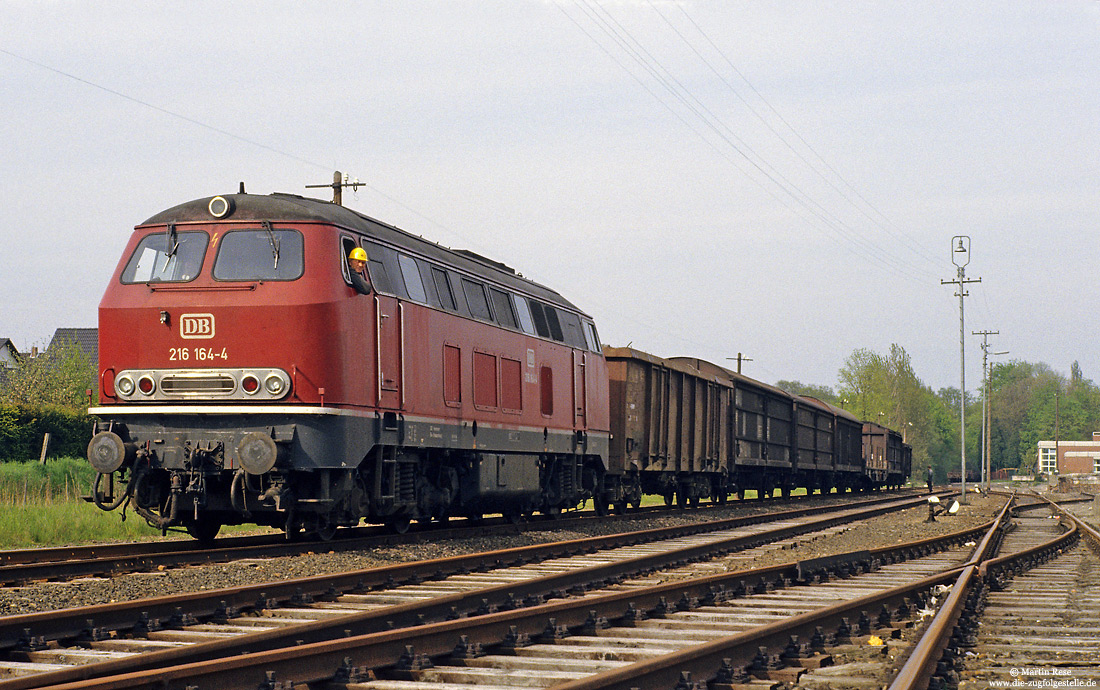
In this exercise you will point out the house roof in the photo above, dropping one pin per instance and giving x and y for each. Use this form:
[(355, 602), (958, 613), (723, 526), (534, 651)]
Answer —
[(13, 352), (87, 339)]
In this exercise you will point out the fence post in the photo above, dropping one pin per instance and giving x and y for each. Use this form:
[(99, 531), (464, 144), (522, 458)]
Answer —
[(45, 447)]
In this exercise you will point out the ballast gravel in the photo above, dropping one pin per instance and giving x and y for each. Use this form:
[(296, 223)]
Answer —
[(885, 530)]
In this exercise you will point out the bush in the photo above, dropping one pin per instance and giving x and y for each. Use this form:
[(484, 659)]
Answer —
[(22, 428)]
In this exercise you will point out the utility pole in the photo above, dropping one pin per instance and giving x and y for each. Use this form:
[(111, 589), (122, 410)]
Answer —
[(739, 359), (987, 408), (960, 256), (339, 181)]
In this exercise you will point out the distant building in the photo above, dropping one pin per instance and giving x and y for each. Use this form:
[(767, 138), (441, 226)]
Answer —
[(87, 339), (9, 356), (1070, 457)]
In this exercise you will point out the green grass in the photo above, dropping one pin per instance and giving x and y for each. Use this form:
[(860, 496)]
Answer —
[(41, 505)]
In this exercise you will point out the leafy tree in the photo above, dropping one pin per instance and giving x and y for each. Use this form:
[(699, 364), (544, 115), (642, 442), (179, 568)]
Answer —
[(823, 393), (59, 377)]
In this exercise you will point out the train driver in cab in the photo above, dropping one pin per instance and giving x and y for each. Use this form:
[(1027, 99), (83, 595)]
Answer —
[(357, 263)]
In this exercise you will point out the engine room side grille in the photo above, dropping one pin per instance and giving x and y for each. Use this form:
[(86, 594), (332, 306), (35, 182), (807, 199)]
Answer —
[(210, 384)]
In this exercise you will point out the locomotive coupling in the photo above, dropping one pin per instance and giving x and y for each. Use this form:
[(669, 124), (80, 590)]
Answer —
[(107, 452)]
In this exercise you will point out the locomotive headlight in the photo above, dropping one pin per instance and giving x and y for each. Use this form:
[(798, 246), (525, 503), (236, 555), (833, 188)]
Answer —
[(125, 385), (220, 207), (146, 385), (274, 384)]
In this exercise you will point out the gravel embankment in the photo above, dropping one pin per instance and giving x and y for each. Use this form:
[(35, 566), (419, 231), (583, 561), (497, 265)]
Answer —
[(894, 528)]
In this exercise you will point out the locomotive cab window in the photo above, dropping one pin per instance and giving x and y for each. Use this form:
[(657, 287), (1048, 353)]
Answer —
[(380, 275), (265, 254), (166, 257), (591, 337)]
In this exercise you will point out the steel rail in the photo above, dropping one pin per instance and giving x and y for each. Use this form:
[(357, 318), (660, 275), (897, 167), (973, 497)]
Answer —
[(47, 626), (925, 659), (27, 565), (313, 661), (487, 599)]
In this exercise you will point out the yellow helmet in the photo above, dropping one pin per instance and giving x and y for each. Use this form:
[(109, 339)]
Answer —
[(358, 254)]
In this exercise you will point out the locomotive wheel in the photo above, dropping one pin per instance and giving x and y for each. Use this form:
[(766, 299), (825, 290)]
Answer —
[(205, 530)]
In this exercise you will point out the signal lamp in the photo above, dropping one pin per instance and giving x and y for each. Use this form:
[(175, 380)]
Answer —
[(250, 384), (146, 385)]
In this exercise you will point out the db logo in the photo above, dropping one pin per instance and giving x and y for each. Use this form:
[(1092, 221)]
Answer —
[(197, 326)]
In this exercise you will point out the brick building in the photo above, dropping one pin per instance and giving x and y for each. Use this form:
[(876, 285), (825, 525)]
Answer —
[(1070, 457)]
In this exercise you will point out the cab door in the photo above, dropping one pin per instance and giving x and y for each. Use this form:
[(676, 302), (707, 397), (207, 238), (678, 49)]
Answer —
[(580, 390), (389, 351)]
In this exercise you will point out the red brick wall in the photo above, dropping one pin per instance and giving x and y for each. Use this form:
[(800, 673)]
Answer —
[(1075, 465)]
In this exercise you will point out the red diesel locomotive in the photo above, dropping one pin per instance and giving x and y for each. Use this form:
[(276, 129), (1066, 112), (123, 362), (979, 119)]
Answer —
[(253, 370), (245, 378)]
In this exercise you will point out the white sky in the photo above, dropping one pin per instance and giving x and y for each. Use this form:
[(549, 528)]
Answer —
[(525, 130)]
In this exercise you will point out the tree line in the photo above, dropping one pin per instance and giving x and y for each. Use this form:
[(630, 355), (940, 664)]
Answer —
[(1028, 403)]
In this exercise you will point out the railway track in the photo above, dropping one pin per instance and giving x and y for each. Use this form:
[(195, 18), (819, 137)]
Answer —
[(320, 610), (18, 567), (1025, 619)]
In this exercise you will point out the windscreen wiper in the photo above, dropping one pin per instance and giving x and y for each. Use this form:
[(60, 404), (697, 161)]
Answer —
[(171, 241), (274, 242)]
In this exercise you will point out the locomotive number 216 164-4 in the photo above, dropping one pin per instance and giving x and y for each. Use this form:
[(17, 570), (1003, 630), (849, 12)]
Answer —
[(198, 354)]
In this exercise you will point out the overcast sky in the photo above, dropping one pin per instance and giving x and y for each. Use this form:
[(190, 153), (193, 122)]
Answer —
[(780, 179)]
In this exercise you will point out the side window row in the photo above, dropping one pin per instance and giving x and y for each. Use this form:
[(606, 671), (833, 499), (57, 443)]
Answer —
[(399, 274)]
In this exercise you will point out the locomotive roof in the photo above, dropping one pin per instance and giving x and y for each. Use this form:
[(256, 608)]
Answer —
[(293, 208)]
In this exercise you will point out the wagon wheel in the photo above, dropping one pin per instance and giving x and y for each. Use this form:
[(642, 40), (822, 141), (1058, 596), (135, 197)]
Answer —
[(326, 530), (398, 524), (513, 516), (620, 507), (668, 498), (601, 505)]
